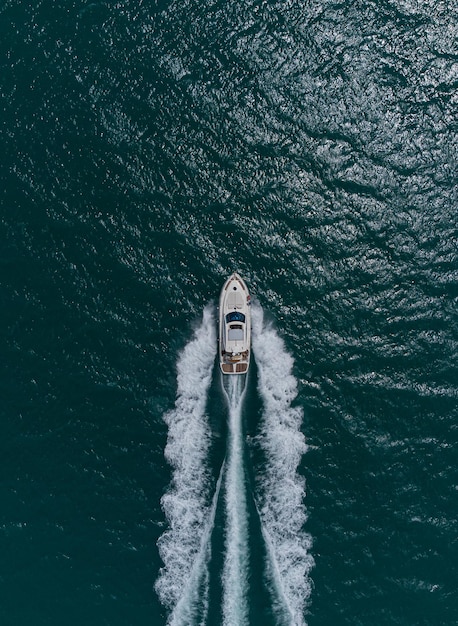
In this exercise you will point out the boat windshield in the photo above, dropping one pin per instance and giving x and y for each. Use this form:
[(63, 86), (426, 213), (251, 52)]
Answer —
[(235, 316)]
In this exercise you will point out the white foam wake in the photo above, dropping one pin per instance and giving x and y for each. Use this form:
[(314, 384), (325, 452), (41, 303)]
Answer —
[(184, 547), (235, 576), (281, 498)]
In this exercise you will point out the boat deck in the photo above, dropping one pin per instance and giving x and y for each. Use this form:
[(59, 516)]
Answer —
[(234, 368)]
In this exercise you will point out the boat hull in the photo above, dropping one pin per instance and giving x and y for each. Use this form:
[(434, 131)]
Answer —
[(234, 326)]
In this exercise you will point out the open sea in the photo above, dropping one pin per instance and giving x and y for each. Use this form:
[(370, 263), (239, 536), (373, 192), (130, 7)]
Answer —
[(148, 150)]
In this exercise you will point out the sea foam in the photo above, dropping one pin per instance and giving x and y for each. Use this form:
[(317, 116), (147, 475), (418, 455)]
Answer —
[(282, 489), (235, 573), (182, 585)]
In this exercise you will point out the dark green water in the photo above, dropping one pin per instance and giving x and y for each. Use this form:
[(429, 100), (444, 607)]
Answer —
[(149, 149)]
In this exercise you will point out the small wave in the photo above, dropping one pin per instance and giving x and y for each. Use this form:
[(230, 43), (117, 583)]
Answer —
[(184, 547), (281, 500)]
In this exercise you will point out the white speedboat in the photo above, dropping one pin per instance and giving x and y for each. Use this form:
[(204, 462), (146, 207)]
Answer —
[(234, 326)]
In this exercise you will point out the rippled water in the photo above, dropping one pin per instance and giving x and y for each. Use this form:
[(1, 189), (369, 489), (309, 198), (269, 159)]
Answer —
[(150, 149)]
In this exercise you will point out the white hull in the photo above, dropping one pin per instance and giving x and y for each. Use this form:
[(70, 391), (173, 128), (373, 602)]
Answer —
[(234, 326)]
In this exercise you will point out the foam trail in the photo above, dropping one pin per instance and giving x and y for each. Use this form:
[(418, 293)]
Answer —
[(184, 547), (235, 576), (184, 612), (282, 490)]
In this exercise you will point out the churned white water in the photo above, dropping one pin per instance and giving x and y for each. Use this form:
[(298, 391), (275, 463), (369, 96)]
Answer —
[(235, 572), (184, 547), (281, 488)]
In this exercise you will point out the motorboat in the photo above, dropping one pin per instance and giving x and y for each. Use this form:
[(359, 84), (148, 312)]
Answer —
[(234, 326)]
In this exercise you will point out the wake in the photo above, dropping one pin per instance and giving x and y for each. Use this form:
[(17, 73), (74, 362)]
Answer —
[(235, 573), (182, 585), (282, 490)]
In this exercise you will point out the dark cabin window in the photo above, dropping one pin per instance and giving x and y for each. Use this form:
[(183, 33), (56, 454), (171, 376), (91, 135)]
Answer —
[(235, 317)]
